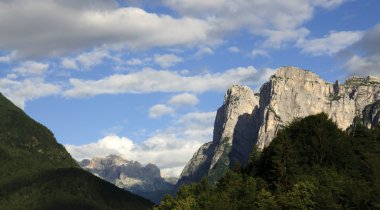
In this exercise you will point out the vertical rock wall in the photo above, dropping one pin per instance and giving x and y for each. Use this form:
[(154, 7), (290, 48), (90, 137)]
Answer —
[(245, 120)]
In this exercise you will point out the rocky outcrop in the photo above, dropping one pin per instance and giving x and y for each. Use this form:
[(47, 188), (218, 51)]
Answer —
[(130, 175), (245, 120), (371, 115), (294, 93), (233, 134)]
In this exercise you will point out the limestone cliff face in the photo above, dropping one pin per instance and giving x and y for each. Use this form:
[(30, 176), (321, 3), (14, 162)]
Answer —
[(371, 115), (233, 124), (293, 93), (233, 134), (245, 120)]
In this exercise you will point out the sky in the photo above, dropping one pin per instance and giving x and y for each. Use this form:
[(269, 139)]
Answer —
[(143, 79)]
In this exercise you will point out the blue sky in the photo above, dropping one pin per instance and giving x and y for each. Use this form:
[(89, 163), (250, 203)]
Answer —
[(144, 78)]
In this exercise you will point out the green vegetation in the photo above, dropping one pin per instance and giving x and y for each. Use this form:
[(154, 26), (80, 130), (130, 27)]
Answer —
[(311, 164), (334, 97), (37, 173)]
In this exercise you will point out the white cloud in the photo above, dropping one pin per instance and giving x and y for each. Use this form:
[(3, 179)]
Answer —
[(277, 21), (86, 60), (8, 58), (150, 80), (259, 52), (93, 58), (28, 89), (134, 62), (203, 117), (184, 99), (328, 3), (73, 26), (160, 110), (364, 56), (31, 68), (59, 27), (181, 141), (233, 49), (279, 38), (331, 44), (111, 144), (204, 51), (68, 63), (166, 60), (364, 65)]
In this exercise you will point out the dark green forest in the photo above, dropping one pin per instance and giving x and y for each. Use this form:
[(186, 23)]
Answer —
[(311, 164), (38, 173)]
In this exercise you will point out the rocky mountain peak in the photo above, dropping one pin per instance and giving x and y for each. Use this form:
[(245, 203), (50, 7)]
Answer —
[(245, 120), (131, 175), (294, 73), (102, 162), (232, 135), (237, 93)]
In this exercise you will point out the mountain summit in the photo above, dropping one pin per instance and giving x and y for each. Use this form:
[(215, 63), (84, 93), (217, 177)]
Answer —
[(145, 181), (246, 119)]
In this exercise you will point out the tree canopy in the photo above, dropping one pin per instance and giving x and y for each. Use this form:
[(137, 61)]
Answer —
[(311, 164)]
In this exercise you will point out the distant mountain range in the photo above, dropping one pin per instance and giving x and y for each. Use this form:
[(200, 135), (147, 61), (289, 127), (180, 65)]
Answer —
[(131, 175), (247, 119), (37, 173)]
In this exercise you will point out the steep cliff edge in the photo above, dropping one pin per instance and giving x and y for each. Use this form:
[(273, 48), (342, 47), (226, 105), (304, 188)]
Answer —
[(245, 120), (233, 136), (371, 115), (295, 93)]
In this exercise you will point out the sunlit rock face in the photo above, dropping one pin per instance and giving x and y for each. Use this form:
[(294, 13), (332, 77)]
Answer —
[(130, 175), (294, 93), (233, 136), (246, 119)]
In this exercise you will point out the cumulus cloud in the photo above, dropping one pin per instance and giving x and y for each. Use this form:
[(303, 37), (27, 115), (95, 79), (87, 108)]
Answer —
[(150, 80), (277, 21), (330, 44), (20, 91), (166, 60), (364, 56), (31, 68), (59, 27), (181, 141), (184, 99), (160, 110), (86, 60)]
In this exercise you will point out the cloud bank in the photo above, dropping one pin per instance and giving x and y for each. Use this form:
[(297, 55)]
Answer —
[(181, 140)]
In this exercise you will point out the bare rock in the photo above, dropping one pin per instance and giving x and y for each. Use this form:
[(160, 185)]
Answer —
[(245, 120)]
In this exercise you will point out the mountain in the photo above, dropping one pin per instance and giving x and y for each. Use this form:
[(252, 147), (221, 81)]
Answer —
[(38, 173), (310, 164), (130, 175), (247, 119)]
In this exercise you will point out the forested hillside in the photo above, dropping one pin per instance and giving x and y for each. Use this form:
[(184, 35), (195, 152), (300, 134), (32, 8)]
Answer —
[(37, 173), (311, 164)]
